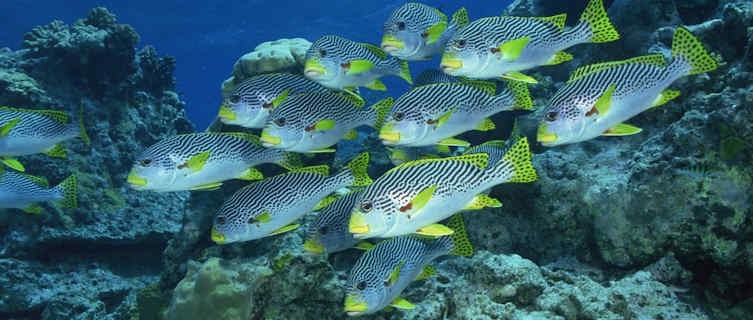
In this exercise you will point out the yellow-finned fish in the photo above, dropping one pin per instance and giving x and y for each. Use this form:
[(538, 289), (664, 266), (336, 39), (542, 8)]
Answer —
[(23, 191), (416, 32)]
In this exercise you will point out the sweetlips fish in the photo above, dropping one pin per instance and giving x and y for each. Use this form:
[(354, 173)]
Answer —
[(312, 122), (23, 191), (250, 103), (494, 47), (598, 98), (435, 113), (25, 132), (341, 64), (268, 207), (383, 272), (400, 155), (431, 76), (201, 161), (329, 231), (413, 197), (416, 32)]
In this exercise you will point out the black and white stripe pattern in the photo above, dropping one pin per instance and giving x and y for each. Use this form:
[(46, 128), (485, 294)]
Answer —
[(340, 50), (19, 189), (417, 18), (438, 99), (262, 89), (304, 110), (34, 125), (490, 32), (331, 224)]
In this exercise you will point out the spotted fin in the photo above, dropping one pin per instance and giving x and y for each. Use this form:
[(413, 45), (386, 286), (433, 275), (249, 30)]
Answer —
[(685, 45), (665, 97), (351, 135), (622, 130), (358, 66), (426, 273), (460, 18), (56, 151), (596, 17), (251, 174), (285, 229), (68, 188), (558, 58), (558, 20), (482, 201)]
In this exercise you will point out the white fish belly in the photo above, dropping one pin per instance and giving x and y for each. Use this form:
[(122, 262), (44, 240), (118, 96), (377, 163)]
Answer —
[(25, 146), (436, 210)]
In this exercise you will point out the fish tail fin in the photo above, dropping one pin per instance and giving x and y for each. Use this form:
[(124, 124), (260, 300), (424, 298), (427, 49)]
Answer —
[(520, 95), (457, 243), (599, 26), (68, 188), (399, 68), (515, 165), (687, 49), (379, 111), (81, 128), (357, 169), (460, 19)]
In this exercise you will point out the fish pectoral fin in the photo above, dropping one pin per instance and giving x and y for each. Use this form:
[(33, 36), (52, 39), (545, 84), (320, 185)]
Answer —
[(601, 107), (251, 174), (622, 130), (377, 85), (558, 58), (511, 50), (323, 150), (12, 163), (435, 230), (262, 218), (351, 135), (486, 125), (482, 201), (325, 202), (364, 245), (453, 142), (443, 118), (358, 66), (665, 97), (35, 209), (8, 126), (322, 125), (419, 201), (517, 76), (401, 303), (395, 274), (285, 229), (196, 162), (207, 187), (281, 98), (427, 272), (56, 151), (433, 32)]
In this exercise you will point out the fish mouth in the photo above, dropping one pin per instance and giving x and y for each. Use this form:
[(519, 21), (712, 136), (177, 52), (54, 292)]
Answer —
[(218, 237), (136, 181), (313, 69), (358, 225), (544, 136), (353, 305), (268, 140), (388, 134), (226, 114), (391, 44), (313, 246)]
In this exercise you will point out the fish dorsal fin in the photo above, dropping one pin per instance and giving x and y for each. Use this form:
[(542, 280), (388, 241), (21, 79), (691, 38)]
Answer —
[(488, 86), (322, 170), (440, 14), (355, 100), (375, 50), (460, 18), (59, 116), (479, 160), (652, 59), (42, 182), (558, 20)]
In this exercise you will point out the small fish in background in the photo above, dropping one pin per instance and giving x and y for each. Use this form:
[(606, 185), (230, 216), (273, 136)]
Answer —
[(270, 206), (329, 231), (598, 98), (341, 64), (413, 197), (435, 113), (494, 47), (23, 191), (201, 161), (416, 32), (400, 155), (313, 122), (250, 103), (24, 132), (382, 273), (431, 76)]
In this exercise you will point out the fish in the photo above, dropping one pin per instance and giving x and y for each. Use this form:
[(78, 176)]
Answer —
[(417, 32), (329, 231), (313, 122), (382, 273), (494, 47), (270, 206), (250, 103), (341, 64), (400, 155), (435, 113), (599, 98), (413, 197), (25, 132), (202, 161), (431, 76), (23, 191)]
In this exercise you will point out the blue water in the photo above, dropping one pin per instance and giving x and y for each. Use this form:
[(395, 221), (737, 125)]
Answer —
[(207, 38)]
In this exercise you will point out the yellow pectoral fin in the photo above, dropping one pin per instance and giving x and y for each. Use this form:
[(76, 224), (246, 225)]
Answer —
[(32, 209), (285, 229), (401, 303), (420, 200), (377, 85), (358, 66), (435, 230), (453, 142), (665, 97), (263, 218), (251, 174), (482, 201), (605, 101), (622, 130), (281, 98), (433, 33), (517, 76), (395, 275), (207, 187), (13, 163), (196, 162), (324, 125), (363, 245), (512, 49), (443, 119), (325, 150), (8, 126), (351, 135)]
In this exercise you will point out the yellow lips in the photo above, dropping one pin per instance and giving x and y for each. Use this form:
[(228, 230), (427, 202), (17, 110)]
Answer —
[(544, 136), (313, 246), (390, 41), (313, 68), (265, 137), (218, 237), (358, 224), (226, 113), (352, 304), (136, 181), (450, 61), (387, 133)]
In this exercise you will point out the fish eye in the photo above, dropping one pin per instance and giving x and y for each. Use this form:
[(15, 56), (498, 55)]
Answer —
[(460, 43), (322, 53), (145, 162), (323, 230), (400, 25), (366, 206), (235, 98), (361, 285), (551, 116), (221, 220), (280, 122), (399, 116)]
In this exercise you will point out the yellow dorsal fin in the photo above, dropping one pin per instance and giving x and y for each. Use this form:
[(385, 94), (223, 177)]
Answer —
[(375, 50), (353, 98), (243, 135), (488, 86), (320, 170), (652, 59), (59, 116), (558, 20)]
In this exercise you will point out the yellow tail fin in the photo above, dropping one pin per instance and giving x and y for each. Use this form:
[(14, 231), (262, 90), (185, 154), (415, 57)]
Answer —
[(685, 45), (520, 158), (358, 167), (596, 17)]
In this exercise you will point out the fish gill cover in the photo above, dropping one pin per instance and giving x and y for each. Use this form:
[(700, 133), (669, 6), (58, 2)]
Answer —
[(649, 224)]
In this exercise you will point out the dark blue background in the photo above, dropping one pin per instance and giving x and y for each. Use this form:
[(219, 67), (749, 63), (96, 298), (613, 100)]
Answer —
[(207, 37)]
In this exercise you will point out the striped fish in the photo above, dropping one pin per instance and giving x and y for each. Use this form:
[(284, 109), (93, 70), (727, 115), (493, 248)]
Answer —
[(201, 161), (341, 64), (400, 155), (494, 47), (431, 76), (23, 191), (329, 231), (249, 104), (24, 132), (599, 98), (434, 114), (313, 122), (416, 32), (413, 197), (268, 207), (383, 272)]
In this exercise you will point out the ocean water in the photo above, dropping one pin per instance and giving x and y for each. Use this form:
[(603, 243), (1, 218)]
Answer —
[(607, 191)]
